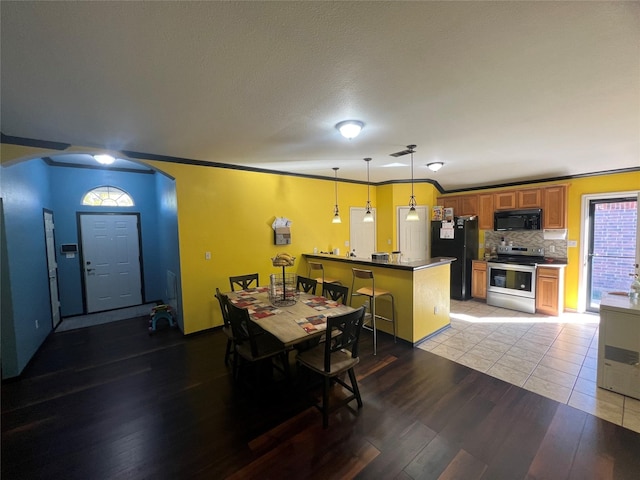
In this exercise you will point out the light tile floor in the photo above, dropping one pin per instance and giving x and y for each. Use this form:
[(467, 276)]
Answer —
[(552, 356)]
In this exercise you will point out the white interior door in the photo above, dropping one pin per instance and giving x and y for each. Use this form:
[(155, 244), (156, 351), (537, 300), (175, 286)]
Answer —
[(52, 268), (362, 235), (413, 237), (111, 256)]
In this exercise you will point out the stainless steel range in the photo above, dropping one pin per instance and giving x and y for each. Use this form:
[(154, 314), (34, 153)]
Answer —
[(511, 278)]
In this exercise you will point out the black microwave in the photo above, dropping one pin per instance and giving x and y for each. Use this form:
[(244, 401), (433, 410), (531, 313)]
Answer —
[(530, 219)]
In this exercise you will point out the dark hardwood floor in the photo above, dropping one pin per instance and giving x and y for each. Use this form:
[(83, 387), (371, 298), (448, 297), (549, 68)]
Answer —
[(110, 401)]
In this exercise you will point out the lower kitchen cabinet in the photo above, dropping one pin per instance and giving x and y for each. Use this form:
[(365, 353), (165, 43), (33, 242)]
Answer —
[(550, 290), (479, 279)]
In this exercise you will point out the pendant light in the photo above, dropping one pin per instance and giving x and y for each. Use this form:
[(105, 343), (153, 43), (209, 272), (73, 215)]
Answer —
[(412, 216), (336, 213), (368, 216)]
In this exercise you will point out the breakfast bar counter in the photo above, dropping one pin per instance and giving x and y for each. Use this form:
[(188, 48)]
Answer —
[(420, 288)]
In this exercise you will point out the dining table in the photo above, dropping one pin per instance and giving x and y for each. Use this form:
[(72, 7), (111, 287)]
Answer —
[(291, 324)]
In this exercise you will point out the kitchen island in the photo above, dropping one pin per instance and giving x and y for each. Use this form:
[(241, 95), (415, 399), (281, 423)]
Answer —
[(421, 290)]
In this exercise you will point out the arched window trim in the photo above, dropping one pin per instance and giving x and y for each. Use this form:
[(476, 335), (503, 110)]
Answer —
[(107, 196)]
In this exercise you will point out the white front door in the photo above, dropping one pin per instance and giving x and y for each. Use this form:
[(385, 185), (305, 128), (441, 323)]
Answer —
[(111, 256), (52, 268), (362, 235), (413, 236)]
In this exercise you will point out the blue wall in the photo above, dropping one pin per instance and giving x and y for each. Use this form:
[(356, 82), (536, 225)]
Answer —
[(69, 186), (25, 192), (168, 258), (26, 189)]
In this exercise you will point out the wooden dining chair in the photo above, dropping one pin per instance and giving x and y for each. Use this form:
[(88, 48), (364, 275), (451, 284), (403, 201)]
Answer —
[(336, 292), (244, 281), (335, 357), (254, 345), (306, 285), (226, 327)]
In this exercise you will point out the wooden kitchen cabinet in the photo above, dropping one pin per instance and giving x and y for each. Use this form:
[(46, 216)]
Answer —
[(554, 207), (461, 204), (530, 198), (550, 290), (504, 200), (479, 279), (485, 211)]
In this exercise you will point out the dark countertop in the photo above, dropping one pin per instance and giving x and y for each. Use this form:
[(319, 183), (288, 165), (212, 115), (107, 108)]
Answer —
[(548, 262), (411, 266)]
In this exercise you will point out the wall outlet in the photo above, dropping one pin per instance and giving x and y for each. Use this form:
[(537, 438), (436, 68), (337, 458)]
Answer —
[(572, 243), (37, 324), (388, 241), (436, 310), (346, 243), (207, 255), (552, 248)]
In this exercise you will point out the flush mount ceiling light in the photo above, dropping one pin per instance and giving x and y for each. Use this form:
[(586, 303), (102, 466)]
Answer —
[(368, 216), (104, 159), (350, 128), (336, 213), (435, 166)]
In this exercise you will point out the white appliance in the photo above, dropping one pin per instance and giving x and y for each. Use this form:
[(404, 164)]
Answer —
[(619, 345)]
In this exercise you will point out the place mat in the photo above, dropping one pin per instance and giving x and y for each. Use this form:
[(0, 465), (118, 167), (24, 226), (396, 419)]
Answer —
[(244, 302), (251, 291), (314, 323), (262, 310), (321, 303)]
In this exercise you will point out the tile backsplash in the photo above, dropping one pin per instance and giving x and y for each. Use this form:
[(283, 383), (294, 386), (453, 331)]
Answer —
[(524, 239)]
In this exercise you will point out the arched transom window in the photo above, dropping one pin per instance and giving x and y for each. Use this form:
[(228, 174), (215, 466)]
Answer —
[(107, 196)]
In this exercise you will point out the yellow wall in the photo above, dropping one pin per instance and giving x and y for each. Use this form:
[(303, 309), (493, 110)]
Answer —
[(229, 213)]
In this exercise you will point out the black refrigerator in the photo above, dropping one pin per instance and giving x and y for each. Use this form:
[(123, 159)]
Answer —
[(461, 243)]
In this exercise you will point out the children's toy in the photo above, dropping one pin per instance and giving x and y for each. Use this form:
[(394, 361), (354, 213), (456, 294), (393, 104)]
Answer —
[(160, 312)]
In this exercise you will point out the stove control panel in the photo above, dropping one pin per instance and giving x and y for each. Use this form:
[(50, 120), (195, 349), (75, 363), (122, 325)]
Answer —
[(525, 251)]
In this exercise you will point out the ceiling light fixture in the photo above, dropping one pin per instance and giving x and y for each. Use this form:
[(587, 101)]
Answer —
[(350, 128), (104, 159), (412, 216), (336, 213), (368, 216), (435, 166)]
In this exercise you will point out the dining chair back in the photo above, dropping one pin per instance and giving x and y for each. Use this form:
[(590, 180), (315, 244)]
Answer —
[(223, 300), (252, 343), (337, 355), (244, 281), (306, 285), (336, 292)]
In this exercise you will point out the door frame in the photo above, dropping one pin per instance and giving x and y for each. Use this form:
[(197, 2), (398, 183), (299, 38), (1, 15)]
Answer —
[(140, 253), (46, 211), (583, 277)]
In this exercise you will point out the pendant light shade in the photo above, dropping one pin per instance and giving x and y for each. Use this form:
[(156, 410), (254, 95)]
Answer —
[(368, 216), (412, 216), (336, 212)]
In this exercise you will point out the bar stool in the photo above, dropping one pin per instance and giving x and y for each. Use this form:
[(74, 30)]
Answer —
[(318, 266), (372, 293)]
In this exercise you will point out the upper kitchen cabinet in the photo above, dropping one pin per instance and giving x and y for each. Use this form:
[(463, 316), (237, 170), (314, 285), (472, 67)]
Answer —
[(554, 207), (461, 204), (530, 198), (504, 200), (512, 199), (485, 211)]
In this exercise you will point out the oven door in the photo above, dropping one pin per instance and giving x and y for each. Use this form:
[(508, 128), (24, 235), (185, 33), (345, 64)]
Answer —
[(511, 279)]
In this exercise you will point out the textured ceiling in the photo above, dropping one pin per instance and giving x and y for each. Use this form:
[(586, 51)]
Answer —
[(500, 92)]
